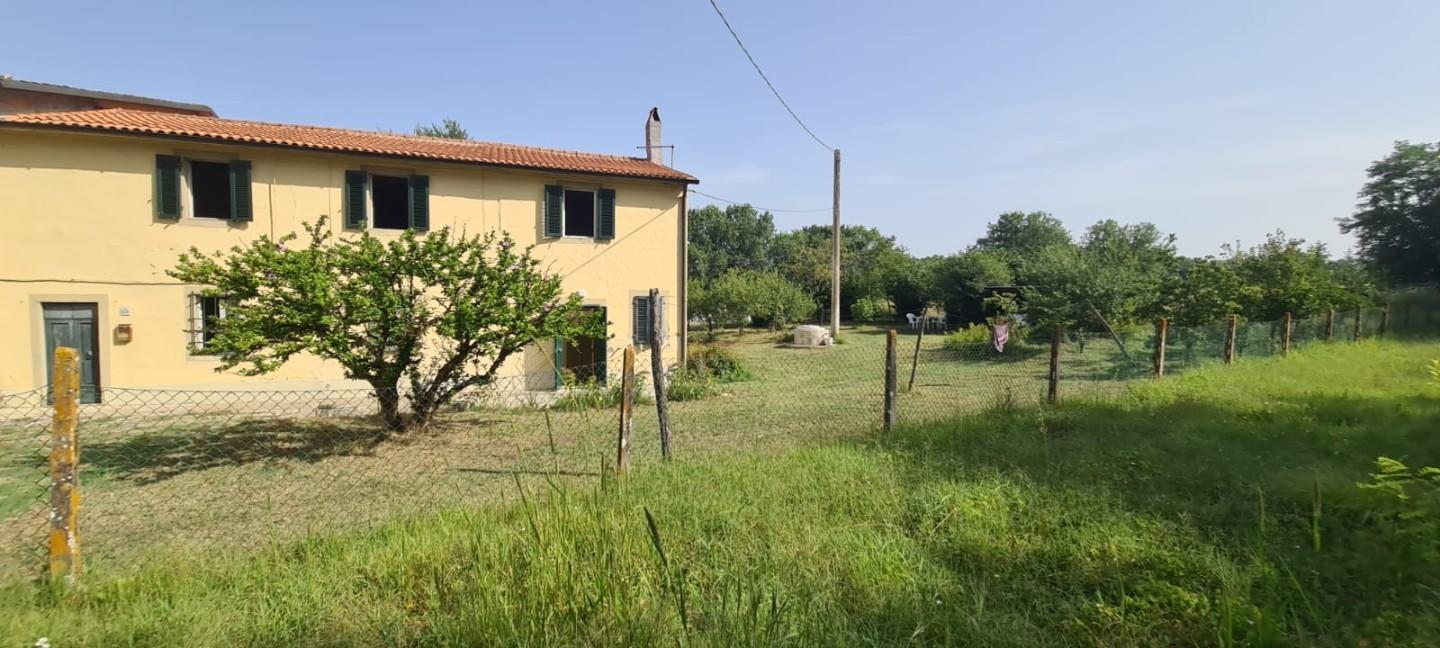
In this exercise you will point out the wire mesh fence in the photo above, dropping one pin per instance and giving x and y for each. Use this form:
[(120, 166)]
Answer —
[(166, 471)]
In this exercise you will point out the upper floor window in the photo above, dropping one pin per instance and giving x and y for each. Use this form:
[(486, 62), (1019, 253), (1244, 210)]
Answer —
[(202, 189), (579, 212), (394, 202)]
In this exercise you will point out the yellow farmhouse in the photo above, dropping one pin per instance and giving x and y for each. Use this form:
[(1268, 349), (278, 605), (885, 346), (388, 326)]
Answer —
[(100, 193)]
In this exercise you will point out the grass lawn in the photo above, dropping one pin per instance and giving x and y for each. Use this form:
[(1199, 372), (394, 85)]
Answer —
[(196, 472), (1216, 507)]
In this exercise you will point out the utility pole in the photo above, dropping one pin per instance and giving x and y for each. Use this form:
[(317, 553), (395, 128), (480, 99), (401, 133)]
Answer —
[(835, 258)]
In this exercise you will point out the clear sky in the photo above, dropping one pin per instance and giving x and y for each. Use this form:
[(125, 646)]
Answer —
[(1218, 121)]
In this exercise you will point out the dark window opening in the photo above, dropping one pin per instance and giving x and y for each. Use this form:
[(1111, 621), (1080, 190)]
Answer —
[(391, 197), (579, 213), (210, 189), (206, 314)]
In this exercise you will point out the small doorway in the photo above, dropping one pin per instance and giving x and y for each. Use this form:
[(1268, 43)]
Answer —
[(74, 326), (583, 360)]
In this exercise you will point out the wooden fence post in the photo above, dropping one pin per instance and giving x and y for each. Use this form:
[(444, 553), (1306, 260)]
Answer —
[(1288, 325), (892, 413), (1053, 395), (657, 369), (1231, 329), (627, 412), (1384, 321), (1162, 329), (1356, 337), (915, 361), (1330, 326), (64, 468)]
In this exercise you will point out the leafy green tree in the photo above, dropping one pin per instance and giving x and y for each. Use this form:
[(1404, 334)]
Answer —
[(1019, 236), (443, 311), (1397, 223), (916, 284), (737, 237), (762, 297), (447, 128), (870, 262), (963, 281)]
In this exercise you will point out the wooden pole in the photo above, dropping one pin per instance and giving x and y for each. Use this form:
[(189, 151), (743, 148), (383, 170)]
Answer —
[(1384, 321), (1330, 326), (1230, 331), (835, 256), (1288, 325), (915, 360), (627, 412), (1162, 329), (1356, 336), (1054, 391), (64, 468), (657, 369), (892, 414)]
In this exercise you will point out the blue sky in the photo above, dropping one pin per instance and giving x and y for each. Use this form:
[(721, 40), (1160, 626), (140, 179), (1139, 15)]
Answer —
[(1218, 121)]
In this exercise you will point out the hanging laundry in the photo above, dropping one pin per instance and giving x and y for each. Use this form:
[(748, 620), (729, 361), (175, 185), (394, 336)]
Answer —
[(1001, 334)]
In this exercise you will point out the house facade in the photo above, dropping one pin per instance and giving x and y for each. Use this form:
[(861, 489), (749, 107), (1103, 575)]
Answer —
[(96, 203)]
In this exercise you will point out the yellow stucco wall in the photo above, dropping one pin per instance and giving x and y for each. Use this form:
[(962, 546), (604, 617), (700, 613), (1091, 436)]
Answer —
[(77, 224)]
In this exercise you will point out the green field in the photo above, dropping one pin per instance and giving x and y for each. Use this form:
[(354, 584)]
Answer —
[(1218, 507)]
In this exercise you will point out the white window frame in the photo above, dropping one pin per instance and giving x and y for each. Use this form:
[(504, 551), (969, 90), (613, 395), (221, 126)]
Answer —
[(196, 329), (594, 212)]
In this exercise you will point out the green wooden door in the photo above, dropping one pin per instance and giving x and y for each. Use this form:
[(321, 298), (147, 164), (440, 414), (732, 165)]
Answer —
[(74, 326)]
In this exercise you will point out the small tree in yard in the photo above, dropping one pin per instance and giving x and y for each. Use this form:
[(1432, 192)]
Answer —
[(442, 311)]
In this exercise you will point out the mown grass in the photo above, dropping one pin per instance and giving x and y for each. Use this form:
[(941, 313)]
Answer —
[(1182, 514)]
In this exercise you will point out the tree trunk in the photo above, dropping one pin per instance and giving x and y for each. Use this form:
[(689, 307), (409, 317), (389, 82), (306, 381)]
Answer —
[(389, 398)]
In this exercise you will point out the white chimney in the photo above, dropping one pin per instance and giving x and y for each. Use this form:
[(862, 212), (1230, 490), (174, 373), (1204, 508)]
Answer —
[(653, 150)]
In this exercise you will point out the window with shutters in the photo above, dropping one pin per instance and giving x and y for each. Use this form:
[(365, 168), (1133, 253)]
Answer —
[(578, 213), (386, 201), (204, 321), (640, 332), (202, 188)]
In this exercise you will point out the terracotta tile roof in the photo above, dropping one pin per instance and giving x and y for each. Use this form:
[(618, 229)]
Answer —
[(319, 138)]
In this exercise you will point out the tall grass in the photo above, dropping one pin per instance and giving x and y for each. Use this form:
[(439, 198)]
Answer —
[(1187, 513)]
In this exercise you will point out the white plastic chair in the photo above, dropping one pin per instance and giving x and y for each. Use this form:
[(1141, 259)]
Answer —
[(913, 319)]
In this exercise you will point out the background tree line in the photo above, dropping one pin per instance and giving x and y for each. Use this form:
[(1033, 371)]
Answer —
[(742, 269)]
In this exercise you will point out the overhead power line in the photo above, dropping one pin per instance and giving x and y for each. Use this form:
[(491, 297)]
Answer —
[(732, 202), (767, 79)]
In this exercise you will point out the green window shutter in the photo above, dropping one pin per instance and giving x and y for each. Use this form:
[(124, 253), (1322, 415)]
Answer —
[(605, 229), (420, 203), (559, 362), (241, 205), (355, 182), (554, 205), (167, 186), (640, 334)]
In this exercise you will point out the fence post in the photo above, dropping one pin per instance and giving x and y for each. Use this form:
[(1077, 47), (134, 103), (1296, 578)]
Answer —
[(915, 361), (64, 466), (1356, 337), (1330, 326), (1287, 325), (1230, 330), (657, 370), (627, 412), (1054, 391), (1162, 329), (892, 413), (1384, 321)]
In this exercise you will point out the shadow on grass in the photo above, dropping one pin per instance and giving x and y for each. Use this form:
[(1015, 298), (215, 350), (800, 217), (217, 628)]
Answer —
[(154, 456)]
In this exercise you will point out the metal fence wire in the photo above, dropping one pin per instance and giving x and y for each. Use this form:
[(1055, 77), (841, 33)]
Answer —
[(166, 471)]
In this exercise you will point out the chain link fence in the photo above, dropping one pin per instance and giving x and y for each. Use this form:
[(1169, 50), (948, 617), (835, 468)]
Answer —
[(166, 471)]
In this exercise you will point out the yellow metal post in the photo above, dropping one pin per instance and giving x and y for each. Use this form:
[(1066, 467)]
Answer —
[(64, 468)]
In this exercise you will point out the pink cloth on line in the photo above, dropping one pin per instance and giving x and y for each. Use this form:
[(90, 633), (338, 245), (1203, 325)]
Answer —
[(1001, 334)]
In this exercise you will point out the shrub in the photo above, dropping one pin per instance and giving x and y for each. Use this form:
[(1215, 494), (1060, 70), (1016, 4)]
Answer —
[(722, 365), (764, 297), (593, 394), (686, 386), (869, 310), (1412, 503), (968, 336)]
